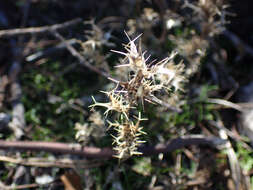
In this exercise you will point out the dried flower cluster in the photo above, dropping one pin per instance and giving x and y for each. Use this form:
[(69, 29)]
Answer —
[(145, 81), (96, 39), (94, 128), (127, 137), (210, 15), (208, 18), (204, 18)]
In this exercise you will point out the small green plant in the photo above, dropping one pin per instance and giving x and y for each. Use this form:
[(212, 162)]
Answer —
[(144, 83)]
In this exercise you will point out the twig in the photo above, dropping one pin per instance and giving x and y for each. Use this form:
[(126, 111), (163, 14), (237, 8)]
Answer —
[(162, 103), (46, 163), (5, 187), (180, 143), (47, 52), (37, 30), (246, 105), (104, 153), (219, 126), (233, 161), (63, 148), (225, 103), (25, 186), (76, 54)]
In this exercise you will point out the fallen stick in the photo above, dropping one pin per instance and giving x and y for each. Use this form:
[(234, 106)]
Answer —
[(36, 30), (105, 153), (47, 163)]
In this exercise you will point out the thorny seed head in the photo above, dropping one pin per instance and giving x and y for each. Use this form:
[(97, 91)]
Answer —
[(144, 81), (135, 58), (127, 139), (169, 74), (149, 78), (117, 103)]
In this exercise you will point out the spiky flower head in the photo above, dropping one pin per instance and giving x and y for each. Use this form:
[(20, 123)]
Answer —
[(128, 137), (143, 83), (134, 57), (148, 78), (117, 103)]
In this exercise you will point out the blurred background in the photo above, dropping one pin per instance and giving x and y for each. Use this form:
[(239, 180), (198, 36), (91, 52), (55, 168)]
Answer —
[(55, 55)]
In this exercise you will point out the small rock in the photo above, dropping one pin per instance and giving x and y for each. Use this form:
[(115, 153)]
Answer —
[(44, 179)]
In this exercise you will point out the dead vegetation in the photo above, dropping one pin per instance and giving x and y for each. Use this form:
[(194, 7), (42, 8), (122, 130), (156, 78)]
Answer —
[(187, 73)]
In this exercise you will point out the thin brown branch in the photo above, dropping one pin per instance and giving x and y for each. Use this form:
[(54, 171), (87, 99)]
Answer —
[(104, 153), (36, 30), (46, 163)]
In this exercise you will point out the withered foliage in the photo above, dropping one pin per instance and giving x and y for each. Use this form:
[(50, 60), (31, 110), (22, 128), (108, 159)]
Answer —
[(145, 80)]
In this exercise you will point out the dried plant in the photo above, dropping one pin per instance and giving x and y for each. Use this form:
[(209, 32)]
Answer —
[(210, 15), (209, 19), (96, 39), (93, 128), (158, 82), (193, 49), (144, 81)]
